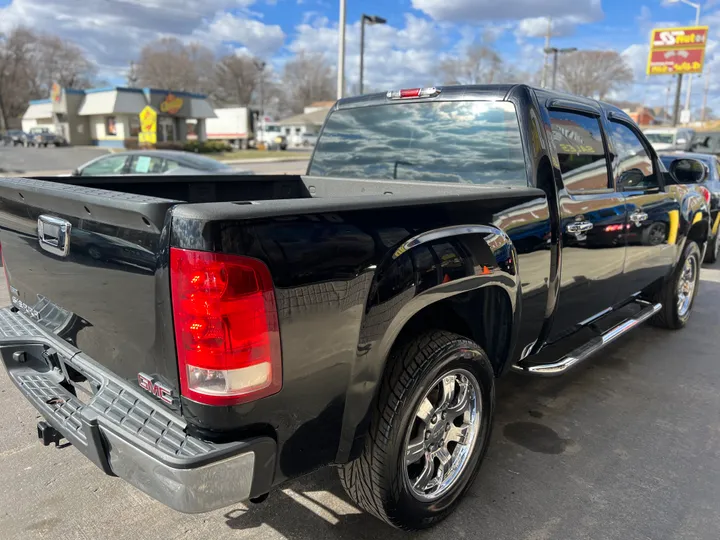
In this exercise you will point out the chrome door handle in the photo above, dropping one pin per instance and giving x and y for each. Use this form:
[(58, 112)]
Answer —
[(638, 217), (579, 227)]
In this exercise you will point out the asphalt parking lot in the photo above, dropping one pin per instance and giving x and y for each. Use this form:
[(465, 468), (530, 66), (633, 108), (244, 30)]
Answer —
[(626, 447), (21, 160)]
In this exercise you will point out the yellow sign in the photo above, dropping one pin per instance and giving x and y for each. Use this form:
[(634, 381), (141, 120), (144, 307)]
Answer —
[(148, 126), (172, 104), (55, 93), (147, 137), (148, 119), (677, 50)]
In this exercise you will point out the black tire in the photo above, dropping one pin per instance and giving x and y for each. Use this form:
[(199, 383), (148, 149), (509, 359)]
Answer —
[(670, 315), (377, 480), (713, 248), (655, 234)]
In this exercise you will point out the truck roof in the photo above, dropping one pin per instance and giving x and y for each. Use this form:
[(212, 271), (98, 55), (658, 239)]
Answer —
[(493, 92)]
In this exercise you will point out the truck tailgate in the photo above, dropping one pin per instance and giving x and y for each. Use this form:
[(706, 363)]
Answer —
[(90, 266)]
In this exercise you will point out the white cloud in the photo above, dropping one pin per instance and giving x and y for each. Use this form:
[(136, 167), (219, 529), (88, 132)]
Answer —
[(394, 56), (258, 38), (482, 10), (561, 26), (112, 32)]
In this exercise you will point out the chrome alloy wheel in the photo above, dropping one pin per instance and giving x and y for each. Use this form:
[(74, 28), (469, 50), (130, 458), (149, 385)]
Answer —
[(686, 286), (442, 434)]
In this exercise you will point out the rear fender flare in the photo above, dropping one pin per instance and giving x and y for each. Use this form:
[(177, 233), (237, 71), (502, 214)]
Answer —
[(480, 243)]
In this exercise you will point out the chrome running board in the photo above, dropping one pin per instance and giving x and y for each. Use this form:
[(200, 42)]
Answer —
[(586, 350)]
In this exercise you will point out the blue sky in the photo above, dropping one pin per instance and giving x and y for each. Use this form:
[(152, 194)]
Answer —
[(405, 52)]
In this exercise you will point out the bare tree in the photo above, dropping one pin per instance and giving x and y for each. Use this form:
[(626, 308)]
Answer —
[(169, 63), (62, 62), (480, 65), (31, 62), (307, 78), (16, 73), (593, 73), (237, 79)]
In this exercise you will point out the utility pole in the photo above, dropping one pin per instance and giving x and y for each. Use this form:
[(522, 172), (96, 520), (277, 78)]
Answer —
[(690, 77), (260, 66), (705, 94), (543, 82), (341, 52), (676, 106), (132, 77)]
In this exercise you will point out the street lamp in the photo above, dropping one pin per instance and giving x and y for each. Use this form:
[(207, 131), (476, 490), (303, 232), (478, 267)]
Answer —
[(370, 19), (697, 23), (555, 51)]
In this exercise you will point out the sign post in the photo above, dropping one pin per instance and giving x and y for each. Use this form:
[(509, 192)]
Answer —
[(677, 51), (148, 126)]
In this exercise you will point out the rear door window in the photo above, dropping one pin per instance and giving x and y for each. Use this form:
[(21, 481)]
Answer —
[(581, 151), (471, 142)]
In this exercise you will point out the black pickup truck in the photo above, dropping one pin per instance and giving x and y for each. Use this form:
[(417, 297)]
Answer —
[(234, 332)]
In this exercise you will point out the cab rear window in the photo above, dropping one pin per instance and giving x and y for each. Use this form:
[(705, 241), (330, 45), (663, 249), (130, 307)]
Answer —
[(473, 142)]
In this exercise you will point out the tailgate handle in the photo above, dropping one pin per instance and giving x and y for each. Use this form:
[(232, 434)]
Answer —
[(54, 235)]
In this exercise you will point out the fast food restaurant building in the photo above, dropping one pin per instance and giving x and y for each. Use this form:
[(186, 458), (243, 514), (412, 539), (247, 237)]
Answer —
[(109, 116)]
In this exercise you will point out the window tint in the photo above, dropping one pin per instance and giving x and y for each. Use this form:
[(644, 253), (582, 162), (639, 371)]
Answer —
[(476, 142), (633, 167), (108, 165), (580, 149)]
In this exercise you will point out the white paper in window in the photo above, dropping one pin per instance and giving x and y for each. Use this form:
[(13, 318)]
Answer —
[(142, 164)]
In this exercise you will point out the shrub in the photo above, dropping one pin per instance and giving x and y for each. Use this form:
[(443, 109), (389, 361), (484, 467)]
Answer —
[(131, 144)]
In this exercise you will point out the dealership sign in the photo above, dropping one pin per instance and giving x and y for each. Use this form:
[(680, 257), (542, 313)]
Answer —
[(677, 50)]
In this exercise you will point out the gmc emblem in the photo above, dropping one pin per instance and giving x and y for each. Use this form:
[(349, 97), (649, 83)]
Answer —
[(156, 388)]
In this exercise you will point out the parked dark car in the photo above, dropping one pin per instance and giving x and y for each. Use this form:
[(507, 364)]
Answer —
[(43, 136), (356, 316), (703, 172), (168, 162), (15, 137)]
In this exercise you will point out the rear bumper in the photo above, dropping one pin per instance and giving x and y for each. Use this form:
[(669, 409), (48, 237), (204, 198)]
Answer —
[(126, 433)]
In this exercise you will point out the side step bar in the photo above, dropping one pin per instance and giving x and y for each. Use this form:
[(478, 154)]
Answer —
[(586, 350)]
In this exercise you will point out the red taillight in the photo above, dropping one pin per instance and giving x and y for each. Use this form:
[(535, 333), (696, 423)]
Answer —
[(410, 92), (705, 193), (614, 228), (413, 93), (226, 327)]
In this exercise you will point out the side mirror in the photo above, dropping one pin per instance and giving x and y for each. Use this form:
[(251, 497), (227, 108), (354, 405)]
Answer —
[(689, 171), (75, 172)]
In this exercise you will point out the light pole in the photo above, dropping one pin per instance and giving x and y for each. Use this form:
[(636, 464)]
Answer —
[(370, 19), (690, 77), (555, 51), (260, 66), (341, 52)]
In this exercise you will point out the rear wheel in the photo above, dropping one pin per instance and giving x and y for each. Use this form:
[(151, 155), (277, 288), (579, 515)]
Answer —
[(677, 294), (428, 434)]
